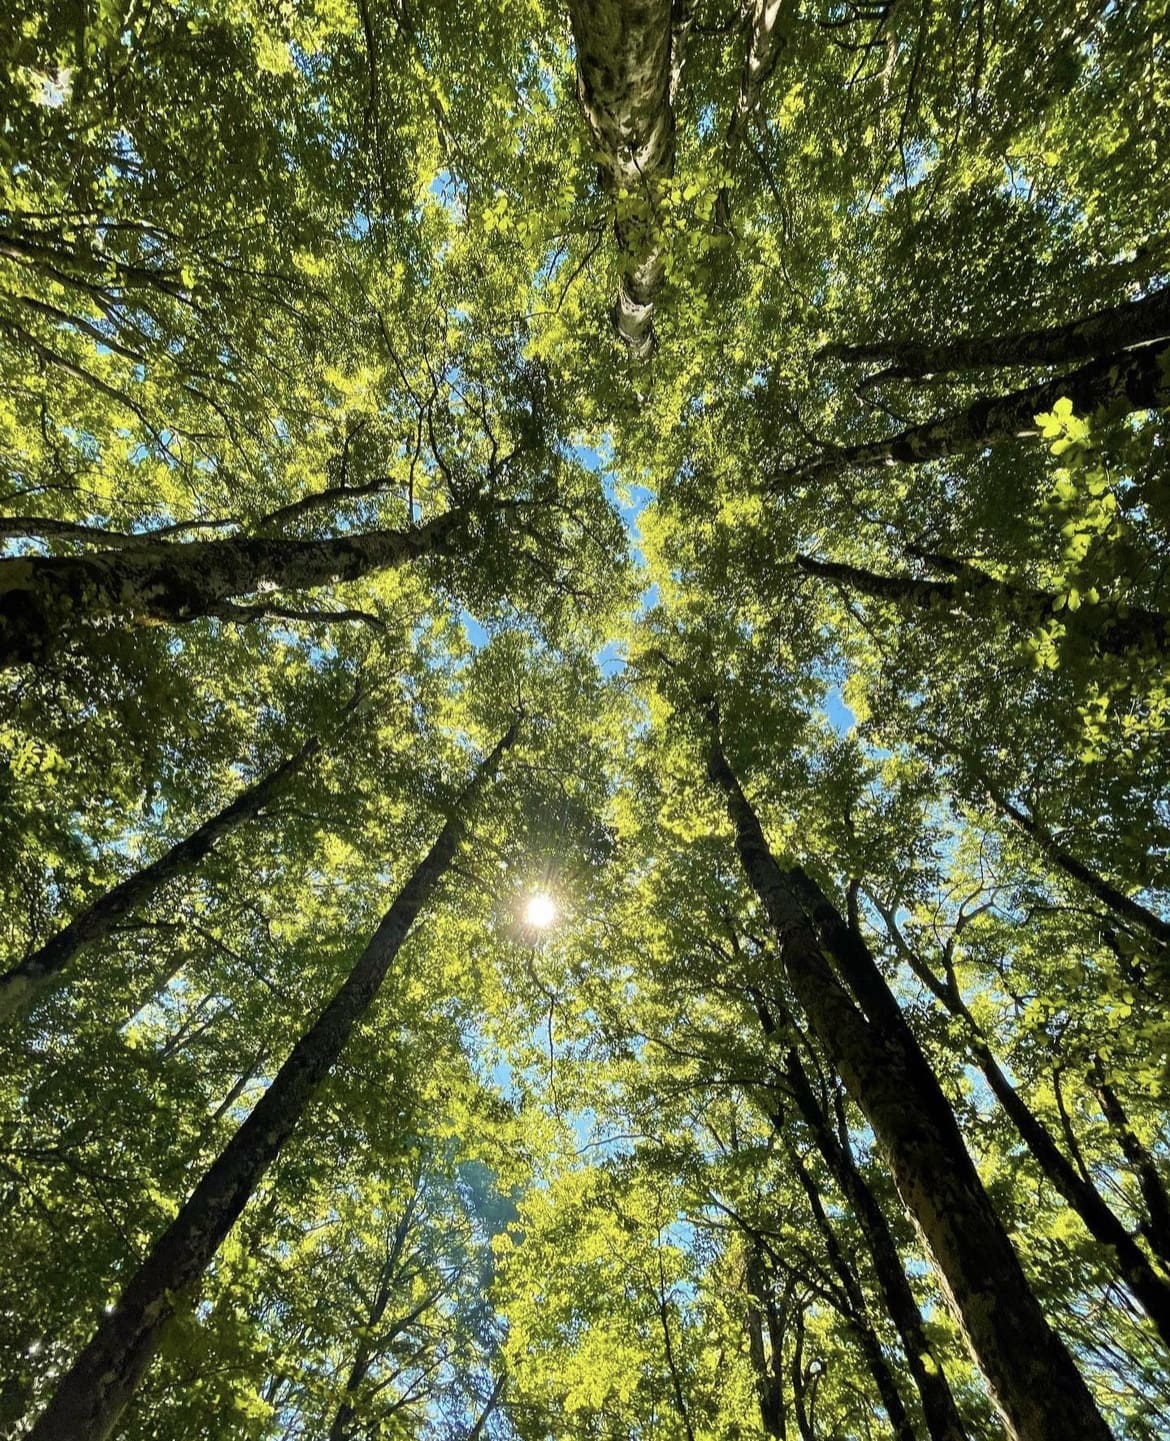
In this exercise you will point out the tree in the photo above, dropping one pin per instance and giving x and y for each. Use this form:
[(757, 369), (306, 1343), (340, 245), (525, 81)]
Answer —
[(20, 985), (476, 359), (93, 1393), (888, 1077)]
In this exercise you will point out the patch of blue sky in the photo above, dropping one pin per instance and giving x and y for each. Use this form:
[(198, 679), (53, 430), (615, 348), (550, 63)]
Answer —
[(628, 500), (840, 717), (446, 191), (477, 634), (913, 171), (610, 659)]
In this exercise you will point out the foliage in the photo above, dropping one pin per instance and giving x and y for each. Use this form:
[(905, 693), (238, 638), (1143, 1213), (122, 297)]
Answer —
[(299, 275)]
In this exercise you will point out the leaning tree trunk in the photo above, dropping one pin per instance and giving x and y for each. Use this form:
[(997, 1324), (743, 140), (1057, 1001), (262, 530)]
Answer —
[(45, 599), (938, 1404), (1033, 1380), (1128, 1259), (1105, 332), (30, 978), (1140, 630), (1124, 906), (768, 1374), (624, 84), (1134, 380), (1156, 1225), (91, 1395), (855, 1313)]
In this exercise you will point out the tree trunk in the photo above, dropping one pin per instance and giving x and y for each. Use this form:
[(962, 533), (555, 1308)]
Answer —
[(938, 1405), (44, 599), (1140, 629), (1108, 894), (624, 74), (1135, 380), (857, 1316), (800, 1379), (768, 1378), (1106, 332), (1031, 1376), (768, 24), (1099, 1219), (31, 977), (1156, 1226), (91, 1395)]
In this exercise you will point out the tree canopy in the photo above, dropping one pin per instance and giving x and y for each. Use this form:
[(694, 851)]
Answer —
[(585, 721)]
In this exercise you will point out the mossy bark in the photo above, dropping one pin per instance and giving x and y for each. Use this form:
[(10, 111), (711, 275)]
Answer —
[(46, 600), (1105, 332), (1116, 385), (624, 74)]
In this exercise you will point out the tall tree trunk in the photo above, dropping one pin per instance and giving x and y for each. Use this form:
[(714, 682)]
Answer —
[(1134, 380), (1140, 629), (769, 1378), (857, 1315), (1156, 1226), (1105, 332), (800, 1379), (1134, 1268), (767, 24), (31, 977), (1037, 1388), (624, 84), (1129, 910), (44, 599), (938, 1404), (90, 1397)]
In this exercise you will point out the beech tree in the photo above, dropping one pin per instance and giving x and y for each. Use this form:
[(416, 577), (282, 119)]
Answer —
[(768, 403), (93, 1393)]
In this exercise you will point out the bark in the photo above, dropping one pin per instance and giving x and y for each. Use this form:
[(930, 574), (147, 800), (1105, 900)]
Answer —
[(1156, 1226), (44, 967), (1108, 894), (1031, 1377), (1140, 629), (1133, 1266), (44, 599), (1105, 332), (768, 26), (1134, 380), (92, 1394), (624, 84), (857, 1315), (769, 1379), (938, 1405), (800, 1382)]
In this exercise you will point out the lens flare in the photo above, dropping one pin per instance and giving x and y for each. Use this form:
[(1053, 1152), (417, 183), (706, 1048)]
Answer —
[(540, 911)]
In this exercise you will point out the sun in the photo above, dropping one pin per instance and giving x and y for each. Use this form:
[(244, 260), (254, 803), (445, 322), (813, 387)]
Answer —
[(540, 911)]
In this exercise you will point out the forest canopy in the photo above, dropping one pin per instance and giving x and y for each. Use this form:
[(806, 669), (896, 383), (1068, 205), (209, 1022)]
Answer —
[(585, 720)]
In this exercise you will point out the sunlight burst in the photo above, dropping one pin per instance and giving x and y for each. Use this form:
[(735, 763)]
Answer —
[(540, 911)]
